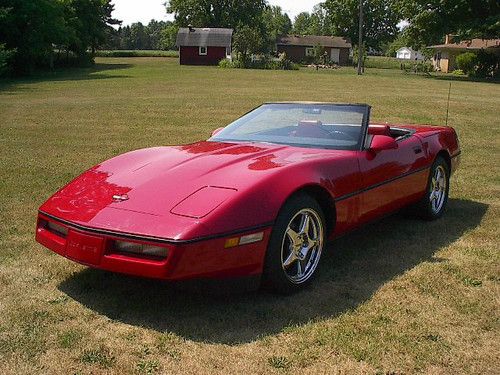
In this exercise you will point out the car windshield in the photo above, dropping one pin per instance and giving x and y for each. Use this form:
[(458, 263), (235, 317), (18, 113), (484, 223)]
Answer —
[(334, 126)]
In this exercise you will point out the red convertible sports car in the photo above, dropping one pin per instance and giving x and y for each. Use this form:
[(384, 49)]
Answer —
[(259, 199)]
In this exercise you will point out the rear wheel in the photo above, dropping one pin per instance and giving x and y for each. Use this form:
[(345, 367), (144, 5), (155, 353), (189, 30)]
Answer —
[(295, 246), (433, 203)]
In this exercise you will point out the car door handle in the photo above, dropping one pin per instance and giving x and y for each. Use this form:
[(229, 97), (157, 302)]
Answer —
[(417, 149)]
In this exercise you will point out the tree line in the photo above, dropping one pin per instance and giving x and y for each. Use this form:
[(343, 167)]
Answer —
[(45, 32), (53, 32)]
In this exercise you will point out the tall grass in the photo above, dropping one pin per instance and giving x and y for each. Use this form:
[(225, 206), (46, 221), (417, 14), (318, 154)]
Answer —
[(383, 62)]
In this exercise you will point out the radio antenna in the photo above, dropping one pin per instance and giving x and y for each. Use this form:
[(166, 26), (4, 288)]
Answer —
[(448, 105)]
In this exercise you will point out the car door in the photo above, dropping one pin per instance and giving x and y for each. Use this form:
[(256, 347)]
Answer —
[(391, 178)]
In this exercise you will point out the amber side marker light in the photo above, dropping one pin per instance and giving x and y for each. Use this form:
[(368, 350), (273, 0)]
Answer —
[(244, 240)]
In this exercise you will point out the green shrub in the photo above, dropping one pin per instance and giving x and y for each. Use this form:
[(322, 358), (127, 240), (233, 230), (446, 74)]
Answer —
[(264, 62), (467, 62), (458, 72), (226, 64), (488, 65), (137, 53)]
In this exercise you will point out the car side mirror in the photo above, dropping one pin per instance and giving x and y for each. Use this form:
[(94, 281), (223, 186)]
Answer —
[(382, 142), (216, 131)]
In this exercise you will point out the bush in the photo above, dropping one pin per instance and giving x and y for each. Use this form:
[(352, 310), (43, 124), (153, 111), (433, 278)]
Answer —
[(264, 62), (467, 62), (226, 64), (458, 72), (136, 53), (487, 65)]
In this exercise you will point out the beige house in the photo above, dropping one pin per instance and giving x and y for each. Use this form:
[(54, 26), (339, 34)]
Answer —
[(445, 54)]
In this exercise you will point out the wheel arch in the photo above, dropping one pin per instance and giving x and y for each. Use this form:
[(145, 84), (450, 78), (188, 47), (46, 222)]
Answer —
[(324, 199), (446, 156)]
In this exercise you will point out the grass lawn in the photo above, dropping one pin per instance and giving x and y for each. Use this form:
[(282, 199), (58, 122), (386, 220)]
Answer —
[(399, 296)]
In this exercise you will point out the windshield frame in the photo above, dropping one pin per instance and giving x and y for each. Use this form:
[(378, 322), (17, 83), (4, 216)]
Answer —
[(362, 136)]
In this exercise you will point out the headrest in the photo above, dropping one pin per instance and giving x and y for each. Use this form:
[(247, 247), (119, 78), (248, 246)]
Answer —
[(379, 130)]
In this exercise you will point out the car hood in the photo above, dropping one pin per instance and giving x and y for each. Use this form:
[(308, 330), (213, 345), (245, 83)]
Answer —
[(186, 181)]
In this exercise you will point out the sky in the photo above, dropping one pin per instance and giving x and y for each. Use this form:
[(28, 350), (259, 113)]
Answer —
[(130, 11)]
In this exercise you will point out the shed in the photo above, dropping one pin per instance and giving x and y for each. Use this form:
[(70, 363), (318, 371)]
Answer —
[(203, 46), (406, 53), (300, 48)]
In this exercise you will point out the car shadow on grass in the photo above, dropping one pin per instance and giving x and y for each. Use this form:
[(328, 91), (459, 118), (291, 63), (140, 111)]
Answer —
[(353, 269)]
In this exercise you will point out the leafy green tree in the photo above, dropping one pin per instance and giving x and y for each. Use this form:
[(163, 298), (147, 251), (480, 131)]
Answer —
[(154, 30), (320, 22), (302, 24), (32, 28), (90, 20), (169, 37), (379, 22), (315, 23), (248, 41), (391, 48), (430, 20), (139, 37), (276, 23), (217, 13)]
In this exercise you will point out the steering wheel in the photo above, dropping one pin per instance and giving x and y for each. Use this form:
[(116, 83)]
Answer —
[(344, 135)]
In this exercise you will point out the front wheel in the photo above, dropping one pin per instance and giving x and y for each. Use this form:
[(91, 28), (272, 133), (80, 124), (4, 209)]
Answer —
[(295, 246)]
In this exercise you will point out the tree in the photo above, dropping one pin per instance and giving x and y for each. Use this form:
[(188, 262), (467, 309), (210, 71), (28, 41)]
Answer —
[(36, 30), (90, 19), (169, 37), (139, 37), (154, 31), (302, 24), (391, 48), (247, 41), (31, 28), (217, 13), (315, 23), (380, 19), (276, 23), (430, 20)]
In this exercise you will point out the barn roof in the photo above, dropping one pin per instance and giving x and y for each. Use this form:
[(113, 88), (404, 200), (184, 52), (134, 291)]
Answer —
[(314, 40), (210, 37)]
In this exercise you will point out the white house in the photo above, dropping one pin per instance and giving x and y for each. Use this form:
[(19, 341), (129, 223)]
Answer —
[(406, 53)]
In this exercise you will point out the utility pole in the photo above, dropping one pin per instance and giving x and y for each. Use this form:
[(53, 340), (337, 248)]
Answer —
[(360, 40)]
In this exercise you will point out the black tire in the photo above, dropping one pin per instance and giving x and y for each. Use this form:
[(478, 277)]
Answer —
[(428, 208), (279, 277)]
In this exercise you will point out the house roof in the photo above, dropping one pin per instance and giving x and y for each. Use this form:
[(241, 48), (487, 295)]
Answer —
[(314, 40), (472, 44), (213, 37)]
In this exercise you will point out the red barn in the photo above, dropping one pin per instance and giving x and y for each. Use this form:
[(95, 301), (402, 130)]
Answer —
[(203, 46)]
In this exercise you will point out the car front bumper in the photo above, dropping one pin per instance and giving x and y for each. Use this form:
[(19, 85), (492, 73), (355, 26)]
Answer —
[(185, 259)]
